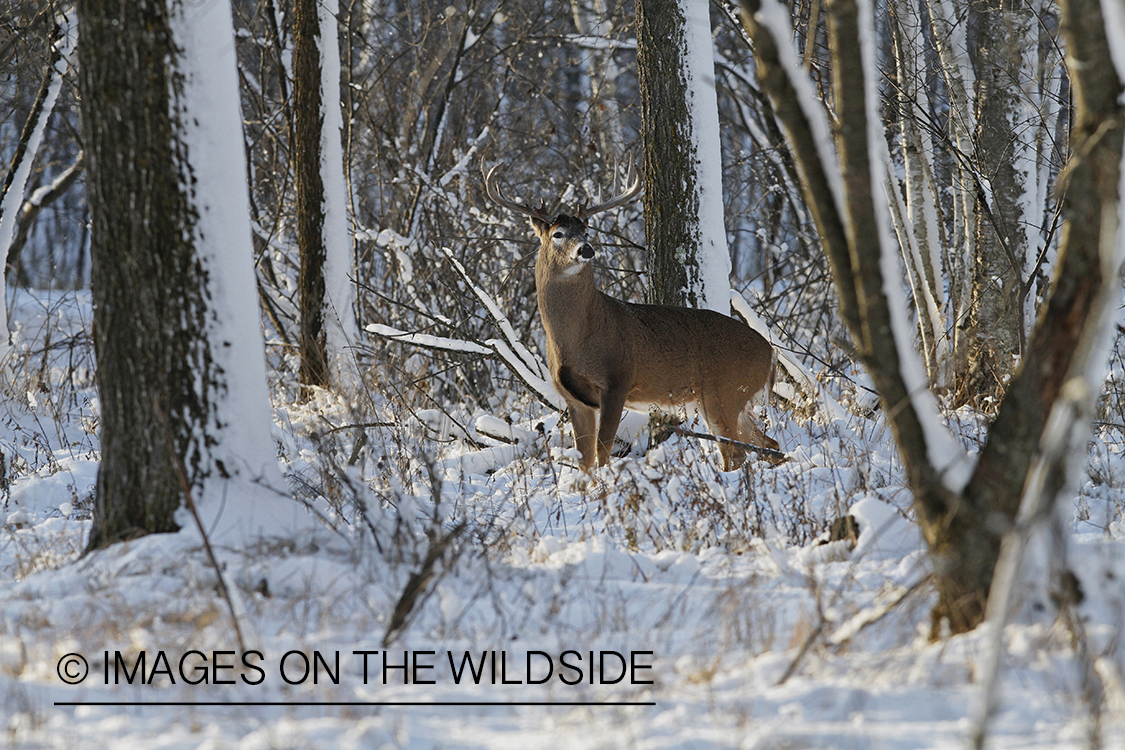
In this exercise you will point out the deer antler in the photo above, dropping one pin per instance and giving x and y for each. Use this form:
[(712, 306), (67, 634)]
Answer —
[(630, 193), (493, 192)]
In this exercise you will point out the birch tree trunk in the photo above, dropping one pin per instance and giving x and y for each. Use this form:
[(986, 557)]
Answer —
[(921, 232), (15, 182)]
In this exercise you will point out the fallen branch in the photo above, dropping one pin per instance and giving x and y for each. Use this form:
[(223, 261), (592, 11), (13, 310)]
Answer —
[(883, 605), (770, 452)]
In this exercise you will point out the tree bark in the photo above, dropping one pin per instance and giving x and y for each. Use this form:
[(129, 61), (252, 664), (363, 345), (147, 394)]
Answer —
[(326, 294), (308, 118), (184, 407), (147, 283), (1000, 267), (683, 199)]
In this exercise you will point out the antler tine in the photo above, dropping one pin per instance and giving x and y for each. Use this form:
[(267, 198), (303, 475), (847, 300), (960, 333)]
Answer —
[(493, 192), (630, 193)]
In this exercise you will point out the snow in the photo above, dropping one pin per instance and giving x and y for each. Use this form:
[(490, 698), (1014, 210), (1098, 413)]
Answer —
[(487, 424), (213, 122), (341, 329), (427, 340), (715, 585)]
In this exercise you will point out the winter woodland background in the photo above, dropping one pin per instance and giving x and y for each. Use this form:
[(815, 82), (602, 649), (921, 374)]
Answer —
[(429, 497)]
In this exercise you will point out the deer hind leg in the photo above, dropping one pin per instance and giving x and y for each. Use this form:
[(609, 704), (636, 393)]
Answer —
[(752, 432), (749, 418), (733, 455), (737, 422), (723, 423)]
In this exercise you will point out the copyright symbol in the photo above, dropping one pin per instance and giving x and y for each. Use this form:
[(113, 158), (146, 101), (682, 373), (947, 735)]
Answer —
[(73, 669)]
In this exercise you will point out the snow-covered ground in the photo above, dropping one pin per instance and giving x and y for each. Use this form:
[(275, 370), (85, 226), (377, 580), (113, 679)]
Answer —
[(488, 595)]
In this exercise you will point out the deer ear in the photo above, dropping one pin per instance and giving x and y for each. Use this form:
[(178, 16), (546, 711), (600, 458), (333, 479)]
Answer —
[(539, 225)]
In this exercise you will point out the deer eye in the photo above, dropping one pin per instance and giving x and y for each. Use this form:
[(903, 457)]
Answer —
[(558, 235)]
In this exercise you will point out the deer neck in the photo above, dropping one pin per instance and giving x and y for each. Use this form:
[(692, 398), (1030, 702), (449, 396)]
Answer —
[(569, 301)]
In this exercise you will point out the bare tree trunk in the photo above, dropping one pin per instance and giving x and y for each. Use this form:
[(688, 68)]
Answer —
[(682, 166), (184, 410), (327, 321), (961, 516), (144, 274), (1000, 268), (308, 117)]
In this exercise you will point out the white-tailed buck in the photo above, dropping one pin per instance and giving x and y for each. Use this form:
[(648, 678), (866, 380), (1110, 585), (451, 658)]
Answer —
[(606, 355)]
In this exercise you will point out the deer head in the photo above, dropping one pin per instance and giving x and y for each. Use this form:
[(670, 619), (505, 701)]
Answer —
[(563, 238)]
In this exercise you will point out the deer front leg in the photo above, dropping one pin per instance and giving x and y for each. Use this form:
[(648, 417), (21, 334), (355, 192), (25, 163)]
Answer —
[(613, 403), (585, 421)]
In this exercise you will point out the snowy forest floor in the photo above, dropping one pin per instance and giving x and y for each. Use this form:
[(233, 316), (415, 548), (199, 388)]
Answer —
[(716, 587)]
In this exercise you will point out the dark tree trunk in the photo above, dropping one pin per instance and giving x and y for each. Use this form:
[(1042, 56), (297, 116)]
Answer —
[(308, 118), (671, 205), (149, 306)]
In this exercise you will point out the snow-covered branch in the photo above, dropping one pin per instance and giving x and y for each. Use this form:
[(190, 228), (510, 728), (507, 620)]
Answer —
[(542, 389)]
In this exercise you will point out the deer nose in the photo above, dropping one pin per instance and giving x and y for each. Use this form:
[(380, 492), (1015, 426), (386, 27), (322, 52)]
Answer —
[(586, 252)]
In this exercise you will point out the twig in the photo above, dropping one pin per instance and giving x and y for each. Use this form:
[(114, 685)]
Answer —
[(809, 641), (362, 425), (185, 487), (875, 612), (416, 585), (706, 436)]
